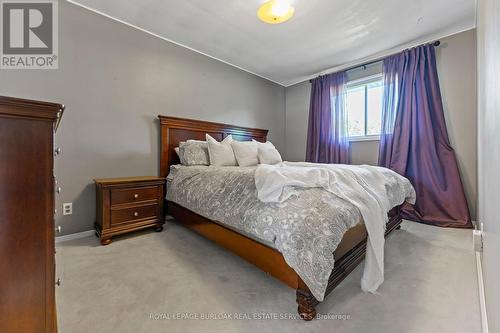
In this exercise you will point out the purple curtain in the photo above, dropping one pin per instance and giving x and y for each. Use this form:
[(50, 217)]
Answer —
[(414, 141), (327, 131)]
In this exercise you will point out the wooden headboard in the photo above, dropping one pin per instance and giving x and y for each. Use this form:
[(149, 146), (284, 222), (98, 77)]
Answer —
[(175, 130)]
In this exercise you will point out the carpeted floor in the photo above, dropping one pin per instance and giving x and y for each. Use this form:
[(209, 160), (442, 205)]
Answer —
[(149, 282)]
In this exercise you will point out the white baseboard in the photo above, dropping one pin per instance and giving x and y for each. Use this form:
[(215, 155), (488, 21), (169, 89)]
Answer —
[(74, 236), (482, 301)]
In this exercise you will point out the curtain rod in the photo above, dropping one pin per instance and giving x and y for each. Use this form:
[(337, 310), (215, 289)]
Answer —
[(435, 44)]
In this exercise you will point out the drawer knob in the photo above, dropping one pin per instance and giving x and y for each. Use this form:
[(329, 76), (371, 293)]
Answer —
[(136, 214), (136, 196), (57, 151), (58, 282), (58, 229), (58, 189)]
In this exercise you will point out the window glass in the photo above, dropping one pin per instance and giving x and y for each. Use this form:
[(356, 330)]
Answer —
[(374, 108), (355, 104), (364, 107)]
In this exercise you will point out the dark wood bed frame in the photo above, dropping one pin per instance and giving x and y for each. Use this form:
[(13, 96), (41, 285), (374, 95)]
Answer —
[(348, 254)]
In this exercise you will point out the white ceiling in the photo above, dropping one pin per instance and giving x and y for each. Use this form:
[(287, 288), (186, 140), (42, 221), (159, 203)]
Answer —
[(322, 34)]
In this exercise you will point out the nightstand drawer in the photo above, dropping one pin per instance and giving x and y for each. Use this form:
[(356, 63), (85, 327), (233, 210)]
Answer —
[(130, 195), (134, 214)]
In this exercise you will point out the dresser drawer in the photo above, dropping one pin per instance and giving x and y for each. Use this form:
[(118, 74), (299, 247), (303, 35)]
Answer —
[(131, 195), (134, 214)]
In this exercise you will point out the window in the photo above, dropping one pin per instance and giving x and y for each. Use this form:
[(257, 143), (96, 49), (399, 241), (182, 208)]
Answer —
[(364, 108)]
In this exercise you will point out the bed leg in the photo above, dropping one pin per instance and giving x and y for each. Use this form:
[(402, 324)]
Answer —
[(306, 303)]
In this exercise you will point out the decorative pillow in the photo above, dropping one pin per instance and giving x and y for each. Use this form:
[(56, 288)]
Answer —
[(193, 153), (245, 152), (267, 153), (221, 153)]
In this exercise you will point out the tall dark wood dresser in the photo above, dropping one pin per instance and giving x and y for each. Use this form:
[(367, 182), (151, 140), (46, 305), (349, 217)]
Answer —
[(27, 230)]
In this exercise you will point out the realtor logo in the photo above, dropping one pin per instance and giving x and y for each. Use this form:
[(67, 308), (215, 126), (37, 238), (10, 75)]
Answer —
[(29, 35)]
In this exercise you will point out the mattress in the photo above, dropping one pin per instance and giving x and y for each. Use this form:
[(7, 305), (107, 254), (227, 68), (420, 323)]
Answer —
[(306, 228)]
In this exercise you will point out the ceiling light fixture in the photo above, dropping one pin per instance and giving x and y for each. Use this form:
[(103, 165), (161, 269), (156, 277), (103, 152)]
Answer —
[(275, 11)]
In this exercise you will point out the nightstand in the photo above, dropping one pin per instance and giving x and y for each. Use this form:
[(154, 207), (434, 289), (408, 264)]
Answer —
[(128, 204)]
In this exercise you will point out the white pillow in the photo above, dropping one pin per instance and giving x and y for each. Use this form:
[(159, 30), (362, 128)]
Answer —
[(267, 153), (221, 153), (245, 153)]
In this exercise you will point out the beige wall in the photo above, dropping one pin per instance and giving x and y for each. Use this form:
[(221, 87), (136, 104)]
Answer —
[(296, 119), (488, 31), (456, 59), (114, 81), (364, 152)]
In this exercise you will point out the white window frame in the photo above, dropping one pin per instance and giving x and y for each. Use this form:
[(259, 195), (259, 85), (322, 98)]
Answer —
[(358, 82)]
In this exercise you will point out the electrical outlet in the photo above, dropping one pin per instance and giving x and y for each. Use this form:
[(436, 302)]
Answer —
[(67, 208)]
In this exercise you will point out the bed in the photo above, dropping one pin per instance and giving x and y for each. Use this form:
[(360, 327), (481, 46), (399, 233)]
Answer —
[(348, 254)]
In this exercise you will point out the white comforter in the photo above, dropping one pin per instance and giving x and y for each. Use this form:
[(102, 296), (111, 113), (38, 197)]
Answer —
[(363, 186)]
